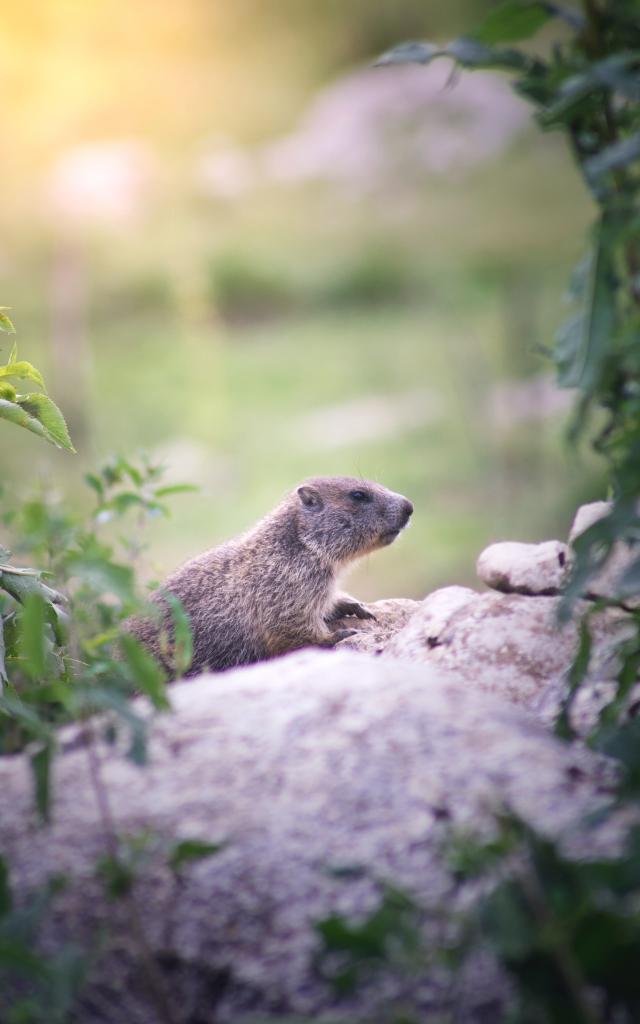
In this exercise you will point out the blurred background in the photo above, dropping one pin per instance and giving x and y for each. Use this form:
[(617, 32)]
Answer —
[(230, 242)]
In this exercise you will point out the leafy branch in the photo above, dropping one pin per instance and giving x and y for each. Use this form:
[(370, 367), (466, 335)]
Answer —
[(33, 410)]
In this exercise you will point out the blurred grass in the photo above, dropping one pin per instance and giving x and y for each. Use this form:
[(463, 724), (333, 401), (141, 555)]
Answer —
[(219, 333)]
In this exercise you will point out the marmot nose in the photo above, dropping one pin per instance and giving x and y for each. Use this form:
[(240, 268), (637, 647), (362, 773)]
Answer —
[(407, 509)]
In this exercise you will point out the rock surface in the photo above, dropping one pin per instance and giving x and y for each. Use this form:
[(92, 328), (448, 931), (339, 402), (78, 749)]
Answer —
[(316, 761), (507, 645), (533, 569), (315, 768)]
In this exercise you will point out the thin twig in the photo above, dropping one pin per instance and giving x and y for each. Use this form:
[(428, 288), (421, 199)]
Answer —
[(155, 981)]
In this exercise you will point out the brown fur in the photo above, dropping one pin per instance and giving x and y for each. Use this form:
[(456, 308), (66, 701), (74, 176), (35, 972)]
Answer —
[(274, 589)]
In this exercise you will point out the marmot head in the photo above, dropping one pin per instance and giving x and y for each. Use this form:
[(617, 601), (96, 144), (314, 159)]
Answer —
[(344, 517)]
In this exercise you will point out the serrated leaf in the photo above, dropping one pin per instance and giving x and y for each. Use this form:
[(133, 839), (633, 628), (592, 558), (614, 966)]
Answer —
[(188, 850), (14, 413), (22, 370), (513, 20), (46, 412)]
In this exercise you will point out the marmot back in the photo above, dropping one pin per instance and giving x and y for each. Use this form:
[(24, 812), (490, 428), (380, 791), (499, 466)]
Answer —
[(274, 589)]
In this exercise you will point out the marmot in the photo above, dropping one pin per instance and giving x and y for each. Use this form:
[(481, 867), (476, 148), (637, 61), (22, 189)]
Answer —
[(274, 589)]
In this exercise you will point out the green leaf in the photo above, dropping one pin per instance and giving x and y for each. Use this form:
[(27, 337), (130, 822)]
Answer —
[(513, 20), (566, 351), (188, 850), (5, 323), (47, 413), (93, 481), (164, 492), (33, 646), (612, 158), (468, 52), (22, 371), (507, 921), (568, 14), (616, 74), (38, 414), (117, 876), (7, 391), (108, 699), (41, 770), (103, 575), (410, 53), (583, 343), (15, 414), (147, 675), (471, 53), (577, 674)]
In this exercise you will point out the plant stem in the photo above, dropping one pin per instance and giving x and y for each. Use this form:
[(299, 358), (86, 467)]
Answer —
[(154, 979)]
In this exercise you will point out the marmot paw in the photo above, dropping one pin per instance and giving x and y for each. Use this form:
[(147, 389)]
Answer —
[(344, 608)]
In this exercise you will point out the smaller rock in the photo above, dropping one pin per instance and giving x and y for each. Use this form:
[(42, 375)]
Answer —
[(529, 569), (373, 635)]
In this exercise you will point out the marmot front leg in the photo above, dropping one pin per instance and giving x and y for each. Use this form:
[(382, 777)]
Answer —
[(347, 605)]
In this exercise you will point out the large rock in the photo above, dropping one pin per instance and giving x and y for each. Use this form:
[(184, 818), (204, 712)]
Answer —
[(317, 761), (507, 645)]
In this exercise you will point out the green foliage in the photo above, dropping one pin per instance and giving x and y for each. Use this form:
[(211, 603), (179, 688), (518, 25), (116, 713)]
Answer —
[(32, 410), (63, 658), (62, 654), (567, 931), (388, 938), (35, 988)]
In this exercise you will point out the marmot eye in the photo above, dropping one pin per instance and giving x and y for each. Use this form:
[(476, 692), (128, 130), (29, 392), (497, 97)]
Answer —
[(359, 495)]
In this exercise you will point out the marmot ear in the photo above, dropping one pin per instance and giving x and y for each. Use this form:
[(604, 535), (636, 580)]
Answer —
[(309, 496)]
